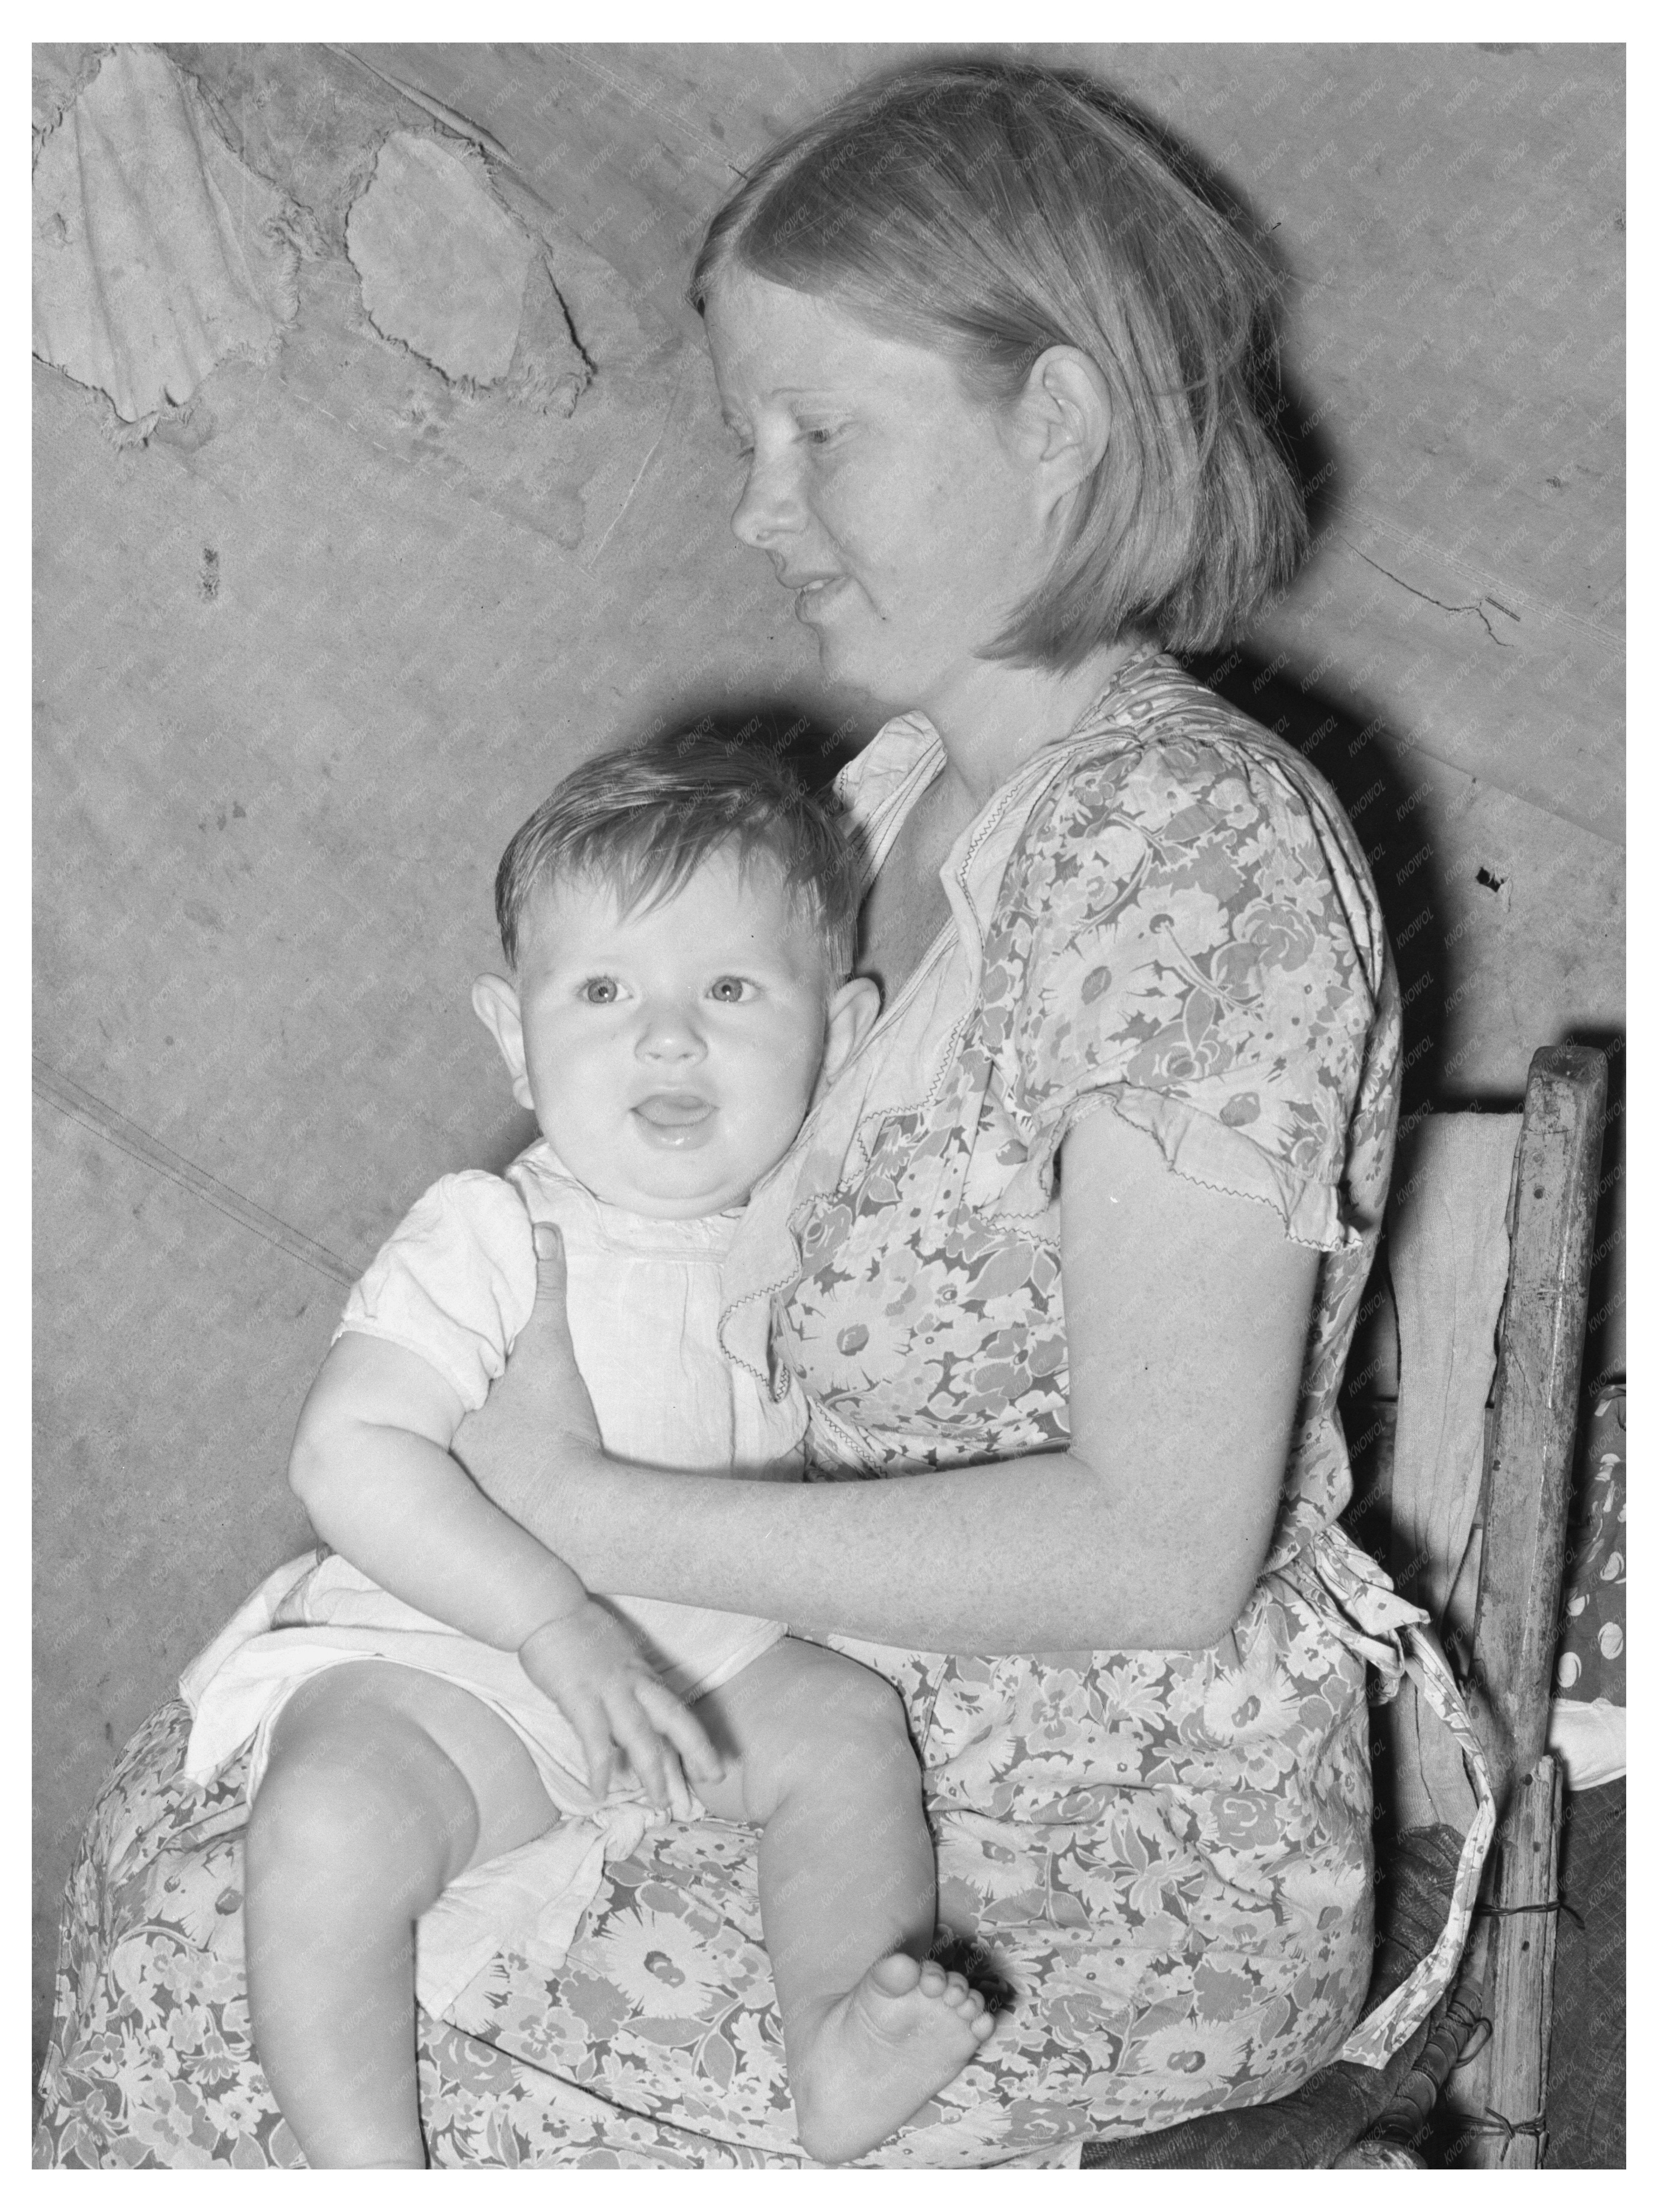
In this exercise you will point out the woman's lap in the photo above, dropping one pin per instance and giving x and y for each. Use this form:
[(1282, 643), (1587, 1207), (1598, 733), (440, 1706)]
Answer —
[(1162, 1960)]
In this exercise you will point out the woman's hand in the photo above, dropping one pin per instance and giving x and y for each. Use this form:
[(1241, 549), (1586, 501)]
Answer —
[(537, 1429), (587, 1663)]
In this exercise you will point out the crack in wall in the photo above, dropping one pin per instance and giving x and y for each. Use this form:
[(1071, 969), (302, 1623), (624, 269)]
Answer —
[(451, 119), (130, 1136), (1462, 607)]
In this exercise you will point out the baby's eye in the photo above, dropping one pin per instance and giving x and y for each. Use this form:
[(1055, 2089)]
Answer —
[(599, 991), (729, 990)]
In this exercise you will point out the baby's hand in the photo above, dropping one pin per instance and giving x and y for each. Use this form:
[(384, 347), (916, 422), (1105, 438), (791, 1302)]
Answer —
[(587, 1663)]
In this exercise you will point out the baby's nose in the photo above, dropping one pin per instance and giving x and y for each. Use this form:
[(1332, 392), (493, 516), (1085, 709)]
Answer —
[(671, 1033)]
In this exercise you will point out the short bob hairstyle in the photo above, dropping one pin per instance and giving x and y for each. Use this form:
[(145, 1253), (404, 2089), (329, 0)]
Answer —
[(990, 210), (641, 819)]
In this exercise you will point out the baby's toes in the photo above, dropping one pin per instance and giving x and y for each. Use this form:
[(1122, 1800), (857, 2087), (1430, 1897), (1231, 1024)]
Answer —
[(934, 1981), (897, 1975)]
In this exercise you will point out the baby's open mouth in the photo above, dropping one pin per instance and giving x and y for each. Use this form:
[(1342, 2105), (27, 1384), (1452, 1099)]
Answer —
[(673, 1109)]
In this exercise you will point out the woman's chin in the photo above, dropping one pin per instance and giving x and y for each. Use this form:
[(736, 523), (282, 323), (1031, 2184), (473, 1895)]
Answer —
[(849, 657), (862, 678)]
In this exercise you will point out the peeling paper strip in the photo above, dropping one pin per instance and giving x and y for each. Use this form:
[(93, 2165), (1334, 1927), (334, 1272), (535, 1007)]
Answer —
[(443, 266), (157, 253)]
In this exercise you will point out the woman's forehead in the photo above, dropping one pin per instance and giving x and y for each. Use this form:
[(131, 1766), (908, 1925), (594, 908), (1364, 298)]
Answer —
[(757, 327), (770, 342)]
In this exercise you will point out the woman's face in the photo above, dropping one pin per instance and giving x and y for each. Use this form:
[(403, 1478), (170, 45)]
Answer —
[(905, 516)]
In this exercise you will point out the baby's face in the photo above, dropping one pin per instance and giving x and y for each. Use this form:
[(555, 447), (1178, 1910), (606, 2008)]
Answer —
[(671, 1053)]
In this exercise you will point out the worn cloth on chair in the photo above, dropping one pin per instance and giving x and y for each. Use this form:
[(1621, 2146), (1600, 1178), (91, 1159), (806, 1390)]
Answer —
[(1163, 1856), (454, 1284), (1587, 1720)]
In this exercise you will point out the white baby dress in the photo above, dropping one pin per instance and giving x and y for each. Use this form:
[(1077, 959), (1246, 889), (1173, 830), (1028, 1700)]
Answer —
[(454, 1284)]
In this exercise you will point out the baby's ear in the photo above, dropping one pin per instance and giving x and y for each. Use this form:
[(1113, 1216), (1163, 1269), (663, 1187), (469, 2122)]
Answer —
[(495, 1004), (853, 1012)]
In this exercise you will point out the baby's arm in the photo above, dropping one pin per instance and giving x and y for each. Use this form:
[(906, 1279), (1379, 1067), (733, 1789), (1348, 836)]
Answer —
[(371, 1463)]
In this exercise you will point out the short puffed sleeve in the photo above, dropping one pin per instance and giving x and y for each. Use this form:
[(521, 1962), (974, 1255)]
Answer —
[(454, 1283), (1186, 932)]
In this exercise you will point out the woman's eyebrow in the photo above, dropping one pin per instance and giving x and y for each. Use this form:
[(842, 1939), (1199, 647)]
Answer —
[(789, 393)]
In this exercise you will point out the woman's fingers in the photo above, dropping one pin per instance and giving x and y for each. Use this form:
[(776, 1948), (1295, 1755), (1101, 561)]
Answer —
[(683, 1731), (538, 1425)]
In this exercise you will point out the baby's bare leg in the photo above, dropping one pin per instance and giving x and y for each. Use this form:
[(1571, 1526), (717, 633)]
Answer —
[(383, 1784), (848, 1893)]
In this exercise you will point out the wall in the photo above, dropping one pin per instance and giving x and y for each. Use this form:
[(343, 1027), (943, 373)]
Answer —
[(310, 649)]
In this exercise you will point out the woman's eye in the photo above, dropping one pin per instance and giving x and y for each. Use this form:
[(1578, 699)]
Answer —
[(818, 434), (728, 990), (599, 991)]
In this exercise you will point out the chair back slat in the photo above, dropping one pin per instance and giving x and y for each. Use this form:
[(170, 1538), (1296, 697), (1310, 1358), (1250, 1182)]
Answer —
[(1534, 1416), (1448, 1256)]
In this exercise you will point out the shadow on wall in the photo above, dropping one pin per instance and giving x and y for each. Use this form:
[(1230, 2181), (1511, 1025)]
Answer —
[(798, 734), (1367, 765)]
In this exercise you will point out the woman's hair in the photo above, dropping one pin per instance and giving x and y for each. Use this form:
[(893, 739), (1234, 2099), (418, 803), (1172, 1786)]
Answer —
[(642, 818), (990, 210)]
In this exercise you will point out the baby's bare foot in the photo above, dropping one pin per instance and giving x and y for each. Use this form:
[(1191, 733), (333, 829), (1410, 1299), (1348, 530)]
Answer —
[(872, 2057)]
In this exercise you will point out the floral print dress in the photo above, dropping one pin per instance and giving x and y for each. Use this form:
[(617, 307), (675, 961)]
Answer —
[(1161, 1860)]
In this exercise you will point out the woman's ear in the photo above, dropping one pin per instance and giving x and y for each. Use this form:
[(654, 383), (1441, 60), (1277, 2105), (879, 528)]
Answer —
[(851, 1015), (495, 1004), (1065, 413)]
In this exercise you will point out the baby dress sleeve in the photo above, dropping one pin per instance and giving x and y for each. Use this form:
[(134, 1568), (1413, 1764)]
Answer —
[(1186, 934), (454, 1282)]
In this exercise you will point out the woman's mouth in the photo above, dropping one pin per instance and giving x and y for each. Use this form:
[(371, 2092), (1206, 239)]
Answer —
[(675, 1121), (813, 599)]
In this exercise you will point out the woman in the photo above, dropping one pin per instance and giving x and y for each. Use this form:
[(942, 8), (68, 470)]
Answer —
[(1076, 1242), (1096, 1202)]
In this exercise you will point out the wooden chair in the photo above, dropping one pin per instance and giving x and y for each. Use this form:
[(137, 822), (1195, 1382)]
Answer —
[(1462, 1409)]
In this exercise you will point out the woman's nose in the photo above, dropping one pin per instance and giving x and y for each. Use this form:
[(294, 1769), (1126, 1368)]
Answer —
[(771, 507)]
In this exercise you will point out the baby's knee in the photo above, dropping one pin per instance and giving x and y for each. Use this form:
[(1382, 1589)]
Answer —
[(862, 1709), (834, 1723), (358, 1804)]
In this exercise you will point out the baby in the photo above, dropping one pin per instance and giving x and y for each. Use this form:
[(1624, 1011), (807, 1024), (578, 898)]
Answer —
[(678, 919)]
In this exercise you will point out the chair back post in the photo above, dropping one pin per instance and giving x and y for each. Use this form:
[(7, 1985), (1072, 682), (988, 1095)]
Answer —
[(1501, 2097), (1533, 1422)]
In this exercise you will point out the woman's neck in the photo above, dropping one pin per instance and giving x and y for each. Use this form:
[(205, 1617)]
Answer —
[(992, 717)]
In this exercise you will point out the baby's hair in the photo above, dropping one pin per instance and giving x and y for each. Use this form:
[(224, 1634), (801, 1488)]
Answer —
[(990, 210), (641, 819)]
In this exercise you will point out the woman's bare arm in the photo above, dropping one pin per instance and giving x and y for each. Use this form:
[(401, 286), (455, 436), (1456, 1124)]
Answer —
[(1187, 1312)]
